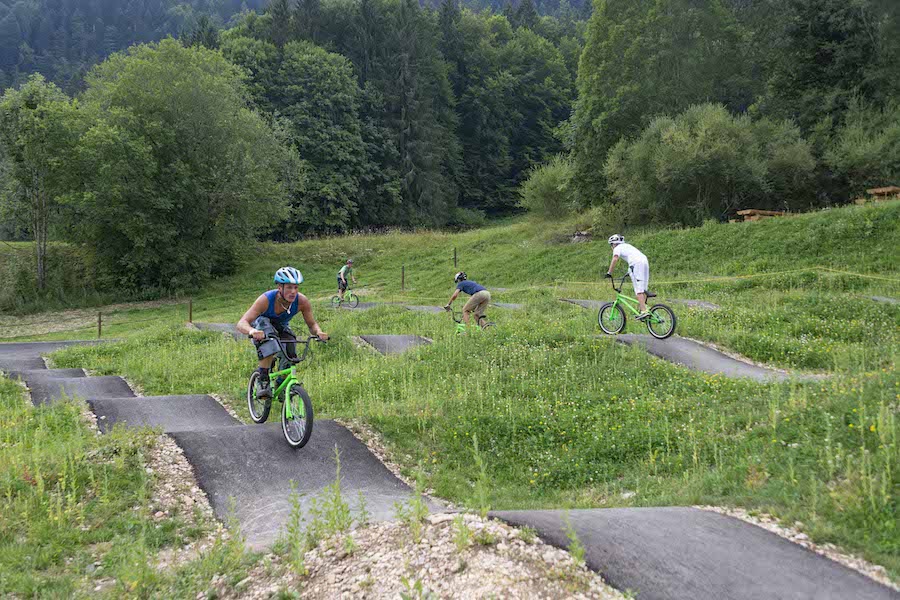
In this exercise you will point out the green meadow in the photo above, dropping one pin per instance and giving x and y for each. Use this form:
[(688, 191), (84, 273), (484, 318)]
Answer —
[(564, 416)]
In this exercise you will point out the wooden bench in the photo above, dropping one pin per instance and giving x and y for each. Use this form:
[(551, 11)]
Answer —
[(754, 214), (881, 194)]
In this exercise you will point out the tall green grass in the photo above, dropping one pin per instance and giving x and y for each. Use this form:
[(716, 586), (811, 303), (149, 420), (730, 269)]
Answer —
[(75, 511), (568, 418), (565, 417)]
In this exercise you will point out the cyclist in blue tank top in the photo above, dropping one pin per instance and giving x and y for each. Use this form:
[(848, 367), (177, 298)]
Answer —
[(271, 314)]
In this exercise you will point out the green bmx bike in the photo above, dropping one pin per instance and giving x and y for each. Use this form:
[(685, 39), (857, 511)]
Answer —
[(297, 412), (483, 322), (660, 322), (350, 299)]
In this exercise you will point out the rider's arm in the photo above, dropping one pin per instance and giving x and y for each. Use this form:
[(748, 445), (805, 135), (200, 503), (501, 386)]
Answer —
[(306, 310), (258, 308), (453, 297), (612, 265)]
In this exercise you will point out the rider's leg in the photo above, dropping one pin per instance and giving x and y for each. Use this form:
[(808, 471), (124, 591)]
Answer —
[(642, 302), (483, 298), (265, 351), (287, 333), (640, 278), (342, 287)]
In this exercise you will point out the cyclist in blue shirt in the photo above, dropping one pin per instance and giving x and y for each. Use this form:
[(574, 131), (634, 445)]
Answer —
[(480, 297), (270, 314)]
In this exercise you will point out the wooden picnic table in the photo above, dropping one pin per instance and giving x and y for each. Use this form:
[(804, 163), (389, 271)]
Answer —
[(881, 194)]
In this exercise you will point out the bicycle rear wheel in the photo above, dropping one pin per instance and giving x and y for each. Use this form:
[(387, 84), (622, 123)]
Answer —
[(298, 428), (353, 301), (611, 318), (259, 409), (661, 322), (335, 302)]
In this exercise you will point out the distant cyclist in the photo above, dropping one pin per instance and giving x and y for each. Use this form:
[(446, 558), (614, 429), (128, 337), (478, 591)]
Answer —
[(346, 271), (480, 297), (270, 314), (638, 270)]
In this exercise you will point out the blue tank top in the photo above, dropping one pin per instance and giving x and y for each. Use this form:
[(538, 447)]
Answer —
[(285, 317)]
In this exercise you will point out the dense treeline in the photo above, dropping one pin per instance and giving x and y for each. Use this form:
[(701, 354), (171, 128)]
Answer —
[(63, 39), (803, 93), (308, 118), (409, 114), (323, 116)]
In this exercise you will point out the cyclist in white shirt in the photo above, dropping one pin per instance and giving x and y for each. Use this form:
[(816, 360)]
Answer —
[(638, 270)]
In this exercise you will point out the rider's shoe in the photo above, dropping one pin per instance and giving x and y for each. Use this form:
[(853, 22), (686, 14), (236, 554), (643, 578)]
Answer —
[(263, 389), (643, 315)]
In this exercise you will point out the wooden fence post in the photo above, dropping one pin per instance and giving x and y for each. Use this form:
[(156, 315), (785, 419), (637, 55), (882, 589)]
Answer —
[(454, 257), (99, 325), (190, 310)]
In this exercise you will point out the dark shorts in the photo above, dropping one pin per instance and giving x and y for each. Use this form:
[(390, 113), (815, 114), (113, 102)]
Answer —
[(342, 285), (267, 348)]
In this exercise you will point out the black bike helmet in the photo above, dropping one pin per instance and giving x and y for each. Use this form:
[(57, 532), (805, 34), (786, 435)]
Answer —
[(461, 276)]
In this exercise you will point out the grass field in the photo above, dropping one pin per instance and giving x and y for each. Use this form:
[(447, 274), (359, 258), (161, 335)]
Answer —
[(569, 418)]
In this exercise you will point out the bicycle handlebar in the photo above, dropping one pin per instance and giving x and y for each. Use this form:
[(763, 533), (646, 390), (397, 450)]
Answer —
[(612, 281), (284, 353)]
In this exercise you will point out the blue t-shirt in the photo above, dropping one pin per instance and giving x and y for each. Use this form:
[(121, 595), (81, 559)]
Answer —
[(470, 287), (285, 317)]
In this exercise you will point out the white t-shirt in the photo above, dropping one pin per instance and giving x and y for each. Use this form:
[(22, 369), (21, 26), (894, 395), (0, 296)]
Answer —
[(630, 254)]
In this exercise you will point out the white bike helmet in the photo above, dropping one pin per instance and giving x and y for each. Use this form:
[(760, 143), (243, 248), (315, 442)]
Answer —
[(616, 239), (288, 275), (461, 276)]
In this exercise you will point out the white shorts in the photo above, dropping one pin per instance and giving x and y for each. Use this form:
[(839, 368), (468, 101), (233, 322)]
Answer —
[(640, 277)]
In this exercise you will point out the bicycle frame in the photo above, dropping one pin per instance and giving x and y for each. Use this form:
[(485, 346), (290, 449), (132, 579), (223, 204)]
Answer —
[(348, 296), (461, 324), (289, 374), (628, 302)]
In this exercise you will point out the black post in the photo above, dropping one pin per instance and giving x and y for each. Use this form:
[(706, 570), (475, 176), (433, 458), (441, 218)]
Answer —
[(99, 325), (454, 257), (190, 310)]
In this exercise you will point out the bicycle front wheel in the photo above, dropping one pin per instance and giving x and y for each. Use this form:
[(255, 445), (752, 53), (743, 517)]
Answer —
[(259, 409), (611, 318), (661, 322), (353, 301), (298, 427), (335, 302)]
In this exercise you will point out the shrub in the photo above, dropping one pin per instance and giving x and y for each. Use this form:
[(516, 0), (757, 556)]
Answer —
[(548, 189), (865, 152), (706, 163)]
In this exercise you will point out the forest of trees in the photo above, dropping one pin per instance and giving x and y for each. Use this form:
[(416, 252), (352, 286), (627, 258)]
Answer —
[(324, 116)]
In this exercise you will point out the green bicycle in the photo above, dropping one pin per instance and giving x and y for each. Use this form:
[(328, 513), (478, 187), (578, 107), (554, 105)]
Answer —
[(297, 415), (661, 322), (350, 299), (461, 325)]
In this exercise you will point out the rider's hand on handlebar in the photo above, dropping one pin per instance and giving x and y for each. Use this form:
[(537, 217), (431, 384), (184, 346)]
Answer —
[(608, 275), (323, 337), (447, 307), (258, 335)]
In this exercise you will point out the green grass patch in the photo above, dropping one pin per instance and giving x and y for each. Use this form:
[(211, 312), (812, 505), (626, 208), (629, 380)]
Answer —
[(75, 511), (567, 418)]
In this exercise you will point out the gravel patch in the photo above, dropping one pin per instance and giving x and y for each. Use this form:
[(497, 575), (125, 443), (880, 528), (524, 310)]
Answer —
[(384, 561), (794, 534)]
